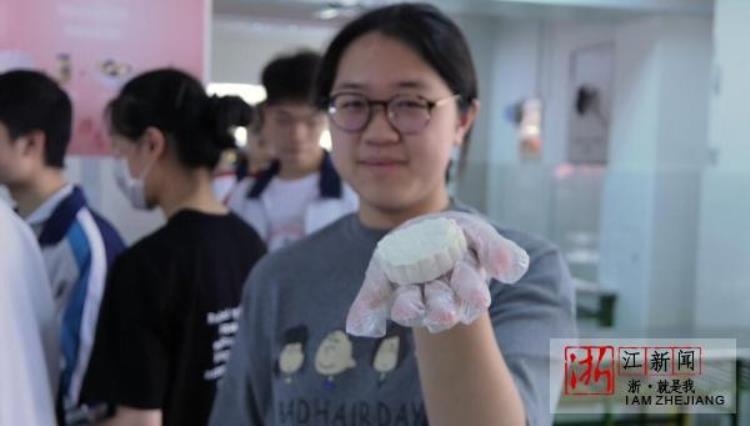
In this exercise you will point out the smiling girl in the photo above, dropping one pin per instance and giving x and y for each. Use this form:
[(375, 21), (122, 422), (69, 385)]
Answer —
[(400, 90)]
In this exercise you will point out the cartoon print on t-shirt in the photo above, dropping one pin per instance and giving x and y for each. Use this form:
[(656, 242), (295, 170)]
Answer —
[(390, 351), (292, 357), (334, 356)]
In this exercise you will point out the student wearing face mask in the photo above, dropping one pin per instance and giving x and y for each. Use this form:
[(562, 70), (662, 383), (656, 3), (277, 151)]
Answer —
[(169, 315), (78, 245)]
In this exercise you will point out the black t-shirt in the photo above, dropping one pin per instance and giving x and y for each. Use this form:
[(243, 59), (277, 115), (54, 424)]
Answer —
[(169, 316)]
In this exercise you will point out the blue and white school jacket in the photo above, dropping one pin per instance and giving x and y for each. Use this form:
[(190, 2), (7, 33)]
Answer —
[(78, 247)]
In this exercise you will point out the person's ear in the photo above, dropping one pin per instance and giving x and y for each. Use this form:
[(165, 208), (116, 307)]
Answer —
[(465, 121), (155, 142), (34, 144)]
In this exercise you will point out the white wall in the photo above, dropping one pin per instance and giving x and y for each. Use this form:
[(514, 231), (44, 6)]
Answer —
[(241, 48), (576, 191), (517, 194), (724, 237), (645, 202), (649, 217), (532, 58), (471, 186)]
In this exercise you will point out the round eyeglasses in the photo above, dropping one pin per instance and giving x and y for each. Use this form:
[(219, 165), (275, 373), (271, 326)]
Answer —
[(409, 114)]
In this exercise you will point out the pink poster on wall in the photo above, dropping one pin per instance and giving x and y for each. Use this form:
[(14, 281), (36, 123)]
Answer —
[(92, 47)]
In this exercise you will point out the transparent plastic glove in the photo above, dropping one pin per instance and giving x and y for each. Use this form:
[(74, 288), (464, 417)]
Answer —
[(460, 295), (370, 310)]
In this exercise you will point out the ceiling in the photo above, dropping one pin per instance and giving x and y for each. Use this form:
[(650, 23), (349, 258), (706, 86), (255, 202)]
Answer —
[(336, 11)]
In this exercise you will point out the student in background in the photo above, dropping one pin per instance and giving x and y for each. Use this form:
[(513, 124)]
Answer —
[(28, 361), (301, 191), (238, 164), (258, 151), (231, 167), (169, 314), (78, 245)]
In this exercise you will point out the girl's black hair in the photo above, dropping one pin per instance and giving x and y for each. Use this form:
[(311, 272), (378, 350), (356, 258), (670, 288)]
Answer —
[(423, 28), (198, 126)]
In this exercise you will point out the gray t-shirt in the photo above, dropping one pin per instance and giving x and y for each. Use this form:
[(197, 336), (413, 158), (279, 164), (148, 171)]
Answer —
[(293, 364)]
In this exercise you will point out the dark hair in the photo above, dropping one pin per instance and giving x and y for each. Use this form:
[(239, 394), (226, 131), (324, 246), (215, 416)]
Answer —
[(423, 28), (29, 100), (291, 78), (429, 33), (197, 125), (258, 117), (298, 334)]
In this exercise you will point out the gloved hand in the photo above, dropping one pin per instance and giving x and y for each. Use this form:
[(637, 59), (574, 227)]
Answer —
[(459, 294)]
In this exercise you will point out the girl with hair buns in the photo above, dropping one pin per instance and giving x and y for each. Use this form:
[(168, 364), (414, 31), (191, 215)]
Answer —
[(169, 313)]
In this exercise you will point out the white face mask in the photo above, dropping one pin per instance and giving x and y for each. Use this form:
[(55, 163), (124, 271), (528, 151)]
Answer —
[(132, 187)]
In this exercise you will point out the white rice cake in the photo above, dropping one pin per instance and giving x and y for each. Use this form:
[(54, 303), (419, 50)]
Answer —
[(421, 252)]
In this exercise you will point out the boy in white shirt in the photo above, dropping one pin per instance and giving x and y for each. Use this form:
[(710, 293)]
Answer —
[(301, 191), (27, 324)]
